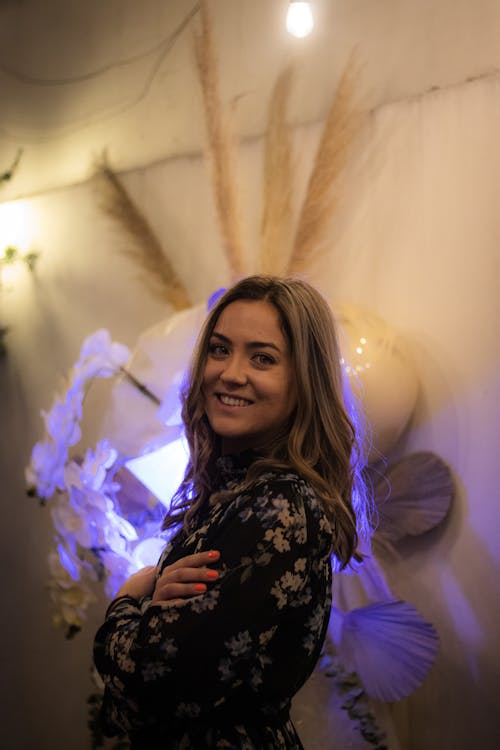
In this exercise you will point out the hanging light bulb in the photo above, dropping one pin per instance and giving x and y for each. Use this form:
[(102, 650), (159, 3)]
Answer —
[(299, 18)]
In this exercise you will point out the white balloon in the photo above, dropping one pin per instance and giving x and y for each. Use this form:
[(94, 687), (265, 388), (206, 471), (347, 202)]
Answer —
[(381, 373)]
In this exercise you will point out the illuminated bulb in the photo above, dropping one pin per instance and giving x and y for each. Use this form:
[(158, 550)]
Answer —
[(299, 19)]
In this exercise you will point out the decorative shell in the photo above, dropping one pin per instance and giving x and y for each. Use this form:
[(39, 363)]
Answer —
[(388, 644), (413, 496)]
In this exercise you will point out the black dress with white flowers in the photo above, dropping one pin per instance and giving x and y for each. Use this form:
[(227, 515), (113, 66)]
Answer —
[(219, 671)]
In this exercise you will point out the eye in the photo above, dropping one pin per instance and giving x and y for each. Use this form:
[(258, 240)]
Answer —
[(218, 351), (263, 360)]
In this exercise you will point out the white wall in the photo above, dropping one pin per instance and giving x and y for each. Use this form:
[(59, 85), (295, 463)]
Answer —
[(143, 107), (416, 240), (419, 244)]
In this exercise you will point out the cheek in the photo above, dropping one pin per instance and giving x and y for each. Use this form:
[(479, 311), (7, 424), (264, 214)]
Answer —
[(291, 396), (208, 374), (208, 378), (283, 395), (205, 383)]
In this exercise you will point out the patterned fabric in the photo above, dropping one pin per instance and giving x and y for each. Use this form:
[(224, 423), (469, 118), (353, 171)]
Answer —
[(219, 670)]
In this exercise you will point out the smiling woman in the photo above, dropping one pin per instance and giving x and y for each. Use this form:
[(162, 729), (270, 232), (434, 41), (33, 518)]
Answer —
[(207, 649), (247, 384)]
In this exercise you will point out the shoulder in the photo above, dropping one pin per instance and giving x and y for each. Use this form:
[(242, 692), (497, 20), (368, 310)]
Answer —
[(288, 484), (281, 497)]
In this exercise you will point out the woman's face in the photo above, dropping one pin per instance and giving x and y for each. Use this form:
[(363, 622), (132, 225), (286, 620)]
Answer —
[(248, 385)]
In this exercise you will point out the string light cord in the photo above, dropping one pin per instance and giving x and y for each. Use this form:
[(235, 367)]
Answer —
[(79, 124), (163, 45)]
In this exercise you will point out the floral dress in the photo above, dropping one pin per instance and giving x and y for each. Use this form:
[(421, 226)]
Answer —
[(219, 670)]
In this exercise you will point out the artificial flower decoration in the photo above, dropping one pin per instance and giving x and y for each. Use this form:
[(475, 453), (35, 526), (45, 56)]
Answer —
[(93, 540), (99, 357)]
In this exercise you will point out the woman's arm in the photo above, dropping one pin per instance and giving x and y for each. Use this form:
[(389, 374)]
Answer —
[(156, 659), (186, 577)]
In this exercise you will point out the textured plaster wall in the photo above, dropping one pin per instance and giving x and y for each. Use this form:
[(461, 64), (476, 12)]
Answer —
[(415, 240), (143, 107), (419, 243)]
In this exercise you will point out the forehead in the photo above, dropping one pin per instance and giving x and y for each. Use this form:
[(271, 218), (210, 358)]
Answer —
[(255, 320)]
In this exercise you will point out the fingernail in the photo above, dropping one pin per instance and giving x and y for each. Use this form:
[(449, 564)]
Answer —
[(213, 554), (200, 587), (211, 575)]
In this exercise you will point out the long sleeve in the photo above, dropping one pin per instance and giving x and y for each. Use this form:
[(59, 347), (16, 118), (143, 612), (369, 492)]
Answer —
[(251, 639)]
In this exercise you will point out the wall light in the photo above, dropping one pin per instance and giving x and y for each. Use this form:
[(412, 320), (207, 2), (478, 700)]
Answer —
[(17, 229), (299, 18), (17, 226)]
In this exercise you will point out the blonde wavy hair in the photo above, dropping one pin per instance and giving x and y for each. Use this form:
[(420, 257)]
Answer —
[(322, 442)]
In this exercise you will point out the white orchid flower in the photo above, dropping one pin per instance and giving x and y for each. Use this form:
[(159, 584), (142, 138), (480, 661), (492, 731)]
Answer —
[(71, 604), (99, 358), (46, 469), (64, 567), (90, 531), (118, 569), (96, 367), (74, 525), (92, 472), (117, 532), (85, 500), (62, 423), (96, 464), (100, 348), (96, 343)]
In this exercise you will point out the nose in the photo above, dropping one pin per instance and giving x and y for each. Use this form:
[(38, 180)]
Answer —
[(234, 371)]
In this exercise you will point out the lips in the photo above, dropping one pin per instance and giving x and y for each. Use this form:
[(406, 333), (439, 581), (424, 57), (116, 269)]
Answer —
[(232, 400)]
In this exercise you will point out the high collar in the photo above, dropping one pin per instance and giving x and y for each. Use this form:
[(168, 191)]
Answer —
[(232, 468)]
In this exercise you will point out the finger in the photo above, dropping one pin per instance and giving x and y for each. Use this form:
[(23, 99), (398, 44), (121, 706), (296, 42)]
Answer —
[(170, 591), (188, 575), (197, 560)]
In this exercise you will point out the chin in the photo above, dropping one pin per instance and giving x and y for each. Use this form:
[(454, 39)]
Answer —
[(236, 443)]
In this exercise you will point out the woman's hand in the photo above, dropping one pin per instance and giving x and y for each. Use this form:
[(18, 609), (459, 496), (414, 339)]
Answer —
[(140, 584), (185, 578)]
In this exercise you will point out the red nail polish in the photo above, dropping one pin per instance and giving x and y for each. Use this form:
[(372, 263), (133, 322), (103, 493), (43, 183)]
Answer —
[(200, 587), (211, 575), (213, 554)]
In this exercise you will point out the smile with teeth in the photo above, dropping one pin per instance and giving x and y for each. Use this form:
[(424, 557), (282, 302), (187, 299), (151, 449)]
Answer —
[(232, 400)]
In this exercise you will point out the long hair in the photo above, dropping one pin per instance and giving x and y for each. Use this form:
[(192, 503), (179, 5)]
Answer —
[(321, 442)]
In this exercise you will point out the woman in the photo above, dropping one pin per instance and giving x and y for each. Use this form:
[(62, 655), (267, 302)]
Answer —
[(207, 649)]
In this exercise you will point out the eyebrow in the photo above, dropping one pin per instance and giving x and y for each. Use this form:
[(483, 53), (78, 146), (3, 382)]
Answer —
[(251, 344)]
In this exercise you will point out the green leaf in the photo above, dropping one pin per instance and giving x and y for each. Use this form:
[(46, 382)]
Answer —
[(10, 254)]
